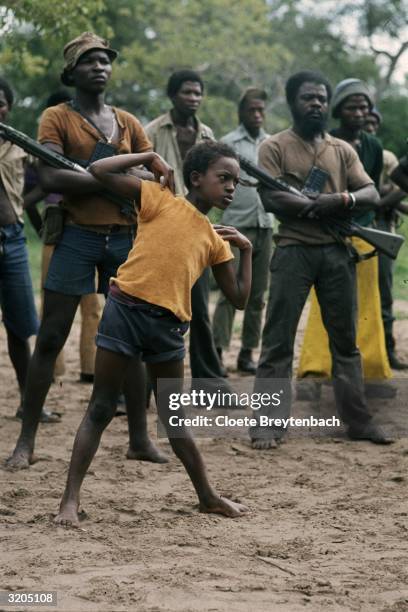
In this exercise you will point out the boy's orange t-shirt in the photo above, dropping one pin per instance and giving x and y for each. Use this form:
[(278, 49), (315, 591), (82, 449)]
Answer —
[(173, 246)]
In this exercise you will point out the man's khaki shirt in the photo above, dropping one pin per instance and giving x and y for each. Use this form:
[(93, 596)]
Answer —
[(389, 165), (287, 156), (163, 134), (246, 209)]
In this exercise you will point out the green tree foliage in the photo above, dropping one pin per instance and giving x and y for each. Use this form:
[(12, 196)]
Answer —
[(213, 37), (33, 35), (384, 26), (60, 19), (231, 43), (394, 129)]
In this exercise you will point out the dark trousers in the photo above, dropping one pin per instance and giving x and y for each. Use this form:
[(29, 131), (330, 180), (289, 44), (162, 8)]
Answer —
[(261, 239), (294, 270), (385, 277), (204, 360)]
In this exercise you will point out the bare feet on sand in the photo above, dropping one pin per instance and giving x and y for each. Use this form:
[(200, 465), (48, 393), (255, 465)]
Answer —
[(224, 506), (21, 459), (68, 514), (147, 452), (262, 444)]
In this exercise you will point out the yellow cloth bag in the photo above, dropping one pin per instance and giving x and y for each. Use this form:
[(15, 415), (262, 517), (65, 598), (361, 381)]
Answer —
[(315, 359)]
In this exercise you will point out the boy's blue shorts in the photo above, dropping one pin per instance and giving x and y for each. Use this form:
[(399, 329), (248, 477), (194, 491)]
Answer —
[(80, 253), (145, 330), (16, 289)]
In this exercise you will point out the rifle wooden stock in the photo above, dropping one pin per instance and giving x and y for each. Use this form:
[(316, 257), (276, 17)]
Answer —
[(384, 242), (56, 160)]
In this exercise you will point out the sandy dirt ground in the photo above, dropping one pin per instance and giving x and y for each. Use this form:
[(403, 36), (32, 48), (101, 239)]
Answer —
[(327, 531)]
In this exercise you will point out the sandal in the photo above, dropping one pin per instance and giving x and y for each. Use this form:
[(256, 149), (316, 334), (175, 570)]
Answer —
[(46, 417)]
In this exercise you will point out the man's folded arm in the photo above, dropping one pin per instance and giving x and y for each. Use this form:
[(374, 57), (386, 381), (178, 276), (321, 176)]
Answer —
[(289, 205), (367, 198), (56, 180)]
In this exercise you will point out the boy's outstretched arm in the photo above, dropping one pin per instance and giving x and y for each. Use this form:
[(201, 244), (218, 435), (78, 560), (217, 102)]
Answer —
[(108, 172), (235, 286)]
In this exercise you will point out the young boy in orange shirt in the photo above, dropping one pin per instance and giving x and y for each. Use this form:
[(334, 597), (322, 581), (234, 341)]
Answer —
[(149, 305)]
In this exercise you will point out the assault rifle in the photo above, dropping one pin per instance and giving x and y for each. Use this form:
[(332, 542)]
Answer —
[(59, 161), (385, 242)]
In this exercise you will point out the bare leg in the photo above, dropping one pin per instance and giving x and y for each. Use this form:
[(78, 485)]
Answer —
[(185, 448), (59, 312), (47, 253), (19, 351), (140, 445), (90, 315), (109, 374)]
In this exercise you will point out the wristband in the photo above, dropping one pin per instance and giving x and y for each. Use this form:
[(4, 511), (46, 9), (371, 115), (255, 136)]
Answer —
[(352, 200), (349, 199)]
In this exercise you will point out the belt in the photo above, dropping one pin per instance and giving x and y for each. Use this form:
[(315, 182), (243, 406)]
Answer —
[(125, 298), (114, 228), (130, 299)]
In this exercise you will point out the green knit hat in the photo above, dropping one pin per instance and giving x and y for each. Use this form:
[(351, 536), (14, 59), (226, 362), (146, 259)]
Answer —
[(346, 88)]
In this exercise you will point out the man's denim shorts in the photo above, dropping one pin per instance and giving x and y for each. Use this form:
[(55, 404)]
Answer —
[(16, 289), (80, 253), (145, 330)]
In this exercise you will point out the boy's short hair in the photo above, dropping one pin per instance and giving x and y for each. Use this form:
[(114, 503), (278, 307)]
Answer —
[(179, 77), (8, 92), (294, 83), (202, 156)]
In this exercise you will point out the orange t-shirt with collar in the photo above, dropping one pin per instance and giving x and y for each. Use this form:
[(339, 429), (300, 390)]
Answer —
[(173, 246), (63, 126)]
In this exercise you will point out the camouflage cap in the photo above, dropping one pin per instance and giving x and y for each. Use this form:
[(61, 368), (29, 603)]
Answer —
[(80, 45)]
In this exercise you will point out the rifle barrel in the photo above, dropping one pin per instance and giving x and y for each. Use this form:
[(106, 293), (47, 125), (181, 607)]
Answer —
[(265, 178), (58, 161)]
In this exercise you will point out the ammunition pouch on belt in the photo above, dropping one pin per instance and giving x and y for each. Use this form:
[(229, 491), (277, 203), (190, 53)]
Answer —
[(53, 224)]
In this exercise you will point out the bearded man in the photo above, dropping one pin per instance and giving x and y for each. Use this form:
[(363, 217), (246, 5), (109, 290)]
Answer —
[(308, 256)]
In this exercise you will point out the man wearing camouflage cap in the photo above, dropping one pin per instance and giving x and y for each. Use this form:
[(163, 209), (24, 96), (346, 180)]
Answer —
[(95, 235)]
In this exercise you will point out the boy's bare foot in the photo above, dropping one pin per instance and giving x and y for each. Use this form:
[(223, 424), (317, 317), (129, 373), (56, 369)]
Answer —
[(68, 514), (147, 452), (21, 459), (262, 444), (224, 506)]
